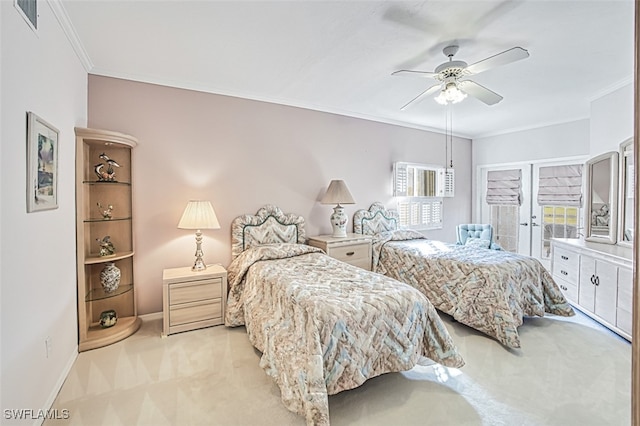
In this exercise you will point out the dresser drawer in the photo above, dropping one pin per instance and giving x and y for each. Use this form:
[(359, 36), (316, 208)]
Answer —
[(351, 253), (194, 291), (194, 312), (570, 290), (566, 265)]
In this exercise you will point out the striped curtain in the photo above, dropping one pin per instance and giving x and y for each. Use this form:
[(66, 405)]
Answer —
[(560, 185), (504, 187)]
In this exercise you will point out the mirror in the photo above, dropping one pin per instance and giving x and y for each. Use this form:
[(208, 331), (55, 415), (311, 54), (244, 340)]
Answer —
[(625, 234), (602, 198)]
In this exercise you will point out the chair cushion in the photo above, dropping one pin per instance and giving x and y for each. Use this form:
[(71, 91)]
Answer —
[(483, 231), (477, 242)]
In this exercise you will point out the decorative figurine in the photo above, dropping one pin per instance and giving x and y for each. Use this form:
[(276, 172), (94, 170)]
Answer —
[(108, 318), (106, 246), (106, 213), (110, 277), (108, 175)]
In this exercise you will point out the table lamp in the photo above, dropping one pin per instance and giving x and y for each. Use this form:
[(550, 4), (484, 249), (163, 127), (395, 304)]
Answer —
[(198, 215), (338, 193)]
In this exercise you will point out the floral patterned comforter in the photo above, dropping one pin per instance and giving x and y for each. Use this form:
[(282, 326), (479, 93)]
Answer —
[(324, 326), (489, 290)]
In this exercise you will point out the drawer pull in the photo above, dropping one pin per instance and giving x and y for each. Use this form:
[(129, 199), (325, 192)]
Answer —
[(351, 253), (564, 272), (564, 257)]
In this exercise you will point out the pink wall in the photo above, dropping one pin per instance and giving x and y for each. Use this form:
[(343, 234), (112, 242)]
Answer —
[(241, 154)]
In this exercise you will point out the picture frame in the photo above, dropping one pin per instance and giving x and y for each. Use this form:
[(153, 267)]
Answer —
[(42, 164), (29, 11)]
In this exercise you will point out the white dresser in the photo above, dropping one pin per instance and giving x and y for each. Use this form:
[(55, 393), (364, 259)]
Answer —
[(597, 279)]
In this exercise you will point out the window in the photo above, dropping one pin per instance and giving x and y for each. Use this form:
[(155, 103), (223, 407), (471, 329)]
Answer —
[(420, 212), (558, 222), (504, 219), (560, 200), (420, 188)]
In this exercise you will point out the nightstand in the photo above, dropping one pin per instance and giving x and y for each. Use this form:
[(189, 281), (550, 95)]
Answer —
[(354, 249), (193, 300)]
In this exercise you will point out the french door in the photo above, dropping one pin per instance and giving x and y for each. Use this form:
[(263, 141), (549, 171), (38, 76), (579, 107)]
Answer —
[(510, 222), (528, 227)]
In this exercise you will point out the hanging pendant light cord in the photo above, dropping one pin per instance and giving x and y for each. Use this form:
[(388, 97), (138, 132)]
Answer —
[(451, 136), (448, 136)]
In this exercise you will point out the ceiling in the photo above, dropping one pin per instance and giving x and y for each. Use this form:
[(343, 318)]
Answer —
[(338, 56)]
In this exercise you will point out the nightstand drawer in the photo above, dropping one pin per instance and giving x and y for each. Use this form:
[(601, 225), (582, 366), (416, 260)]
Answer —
[(351, 253), (196, 311), (194, 291)]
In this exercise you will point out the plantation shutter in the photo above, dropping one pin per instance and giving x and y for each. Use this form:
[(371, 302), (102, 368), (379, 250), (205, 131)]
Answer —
[(503, 187), (560, 185)]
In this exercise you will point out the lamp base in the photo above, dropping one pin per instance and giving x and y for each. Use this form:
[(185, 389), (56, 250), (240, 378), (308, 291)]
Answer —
[(199, 264), (339, 222)]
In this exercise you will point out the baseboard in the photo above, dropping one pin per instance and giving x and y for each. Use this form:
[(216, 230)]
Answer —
[(152, 316), (56, 389)]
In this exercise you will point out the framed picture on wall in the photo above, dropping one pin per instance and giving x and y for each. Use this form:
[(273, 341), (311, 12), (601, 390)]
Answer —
[(42, 163), (29, 11)]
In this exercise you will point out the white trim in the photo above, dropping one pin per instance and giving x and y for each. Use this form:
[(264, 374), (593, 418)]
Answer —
[(67, 27), (611, 88), (58, 386), (152, 316), (31, 25), (532, 127)]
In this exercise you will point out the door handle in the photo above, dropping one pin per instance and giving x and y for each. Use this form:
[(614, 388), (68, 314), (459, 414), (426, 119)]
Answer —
[(525, 224)]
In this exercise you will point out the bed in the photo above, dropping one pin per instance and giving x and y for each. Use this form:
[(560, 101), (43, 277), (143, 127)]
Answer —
[(488, 290), (323, 326)]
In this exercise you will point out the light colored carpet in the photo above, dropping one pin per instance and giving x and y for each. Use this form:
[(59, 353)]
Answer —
[(568, 372)]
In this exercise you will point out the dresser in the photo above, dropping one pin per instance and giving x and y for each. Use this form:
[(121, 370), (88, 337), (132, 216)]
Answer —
[(597, 279), (354, 249), (193, 300)]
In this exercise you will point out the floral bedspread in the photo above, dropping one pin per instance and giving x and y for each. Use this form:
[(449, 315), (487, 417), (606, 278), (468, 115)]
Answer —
[(489, 290), (324, 326)]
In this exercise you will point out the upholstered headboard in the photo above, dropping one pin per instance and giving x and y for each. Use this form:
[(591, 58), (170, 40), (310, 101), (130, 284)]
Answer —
[(268, 226), (375, 220)]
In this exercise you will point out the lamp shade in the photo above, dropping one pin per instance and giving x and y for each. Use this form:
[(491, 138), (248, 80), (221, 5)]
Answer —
[(337, 193), (198, 215)]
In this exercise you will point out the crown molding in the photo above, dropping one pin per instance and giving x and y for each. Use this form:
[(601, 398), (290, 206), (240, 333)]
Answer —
[(246, 96), (67, 27)]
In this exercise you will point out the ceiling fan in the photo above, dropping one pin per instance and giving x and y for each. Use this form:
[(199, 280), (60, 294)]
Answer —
[(452, 77)]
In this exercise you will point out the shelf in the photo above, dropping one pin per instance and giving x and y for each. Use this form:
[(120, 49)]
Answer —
[(106, 182), (100, 220), (92, 260), (99, 294), (98, 336), (94, 197)]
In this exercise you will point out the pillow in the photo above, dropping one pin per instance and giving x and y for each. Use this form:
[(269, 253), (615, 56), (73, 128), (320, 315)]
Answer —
[(477, 242)]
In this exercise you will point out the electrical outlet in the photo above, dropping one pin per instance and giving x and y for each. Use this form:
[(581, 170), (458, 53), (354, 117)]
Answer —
[(47, 345)]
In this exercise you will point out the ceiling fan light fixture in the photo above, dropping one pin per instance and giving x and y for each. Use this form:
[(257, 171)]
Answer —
[(450, 94)]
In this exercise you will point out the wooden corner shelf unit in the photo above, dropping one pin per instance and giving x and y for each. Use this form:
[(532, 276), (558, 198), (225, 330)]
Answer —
[(94, 195)]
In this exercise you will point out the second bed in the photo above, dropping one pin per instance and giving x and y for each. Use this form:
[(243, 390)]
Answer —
[(488, 290)]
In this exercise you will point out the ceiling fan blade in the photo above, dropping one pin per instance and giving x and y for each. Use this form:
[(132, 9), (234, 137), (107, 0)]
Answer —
[(506, 57), (414, 73), (479, 92), (421, 96)]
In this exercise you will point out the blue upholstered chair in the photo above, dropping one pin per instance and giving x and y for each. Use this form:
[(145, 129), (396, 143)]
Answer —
[(477, 234)]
